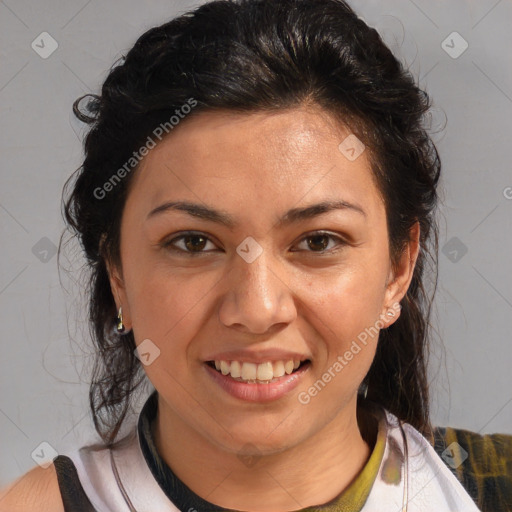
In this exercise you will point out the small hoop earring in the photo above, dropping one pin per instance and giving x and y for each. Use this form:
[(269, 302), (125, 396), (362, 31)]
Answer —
[(120, 328)]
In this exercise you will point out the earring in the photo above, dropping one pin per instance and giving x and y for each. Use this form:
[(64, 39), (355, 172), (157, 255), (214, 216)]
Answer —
[(391, 312), (120, 328)]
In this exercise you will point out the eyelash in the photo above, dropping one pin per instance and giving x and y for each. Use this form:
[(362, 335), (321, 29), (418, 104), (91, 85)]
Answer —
[(169, 244)]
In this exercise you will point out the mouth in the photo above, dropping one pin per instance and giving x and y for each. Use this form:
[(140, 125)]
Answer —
[(264, 381), (258, 373)]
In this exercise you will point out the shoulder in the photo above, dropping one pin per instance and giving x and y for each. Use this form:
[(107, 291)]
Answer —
[(38, 489), (481, 462)]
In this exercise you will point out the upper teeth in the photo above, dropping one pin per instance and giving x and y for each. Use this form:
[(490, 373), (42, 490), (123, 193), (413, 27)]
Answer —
[(252, 371)]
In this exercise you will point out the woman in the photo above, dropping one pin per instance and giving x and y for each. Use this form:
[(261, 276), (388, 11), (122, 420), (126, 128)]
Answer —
[(256, 205)]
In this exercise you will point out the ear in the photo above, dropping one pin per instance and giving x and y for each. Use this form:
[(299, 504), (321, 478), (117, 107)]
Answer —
[(118, 289), (400, 277)]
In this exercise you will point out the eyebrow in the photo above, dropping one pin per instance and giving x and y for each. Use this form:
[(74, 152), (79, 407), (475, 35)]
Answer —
[(293, 215)]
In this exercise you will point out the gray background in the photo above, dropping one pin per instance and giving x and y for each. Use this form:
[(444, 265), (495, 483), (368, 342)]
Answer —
[(45, 347)]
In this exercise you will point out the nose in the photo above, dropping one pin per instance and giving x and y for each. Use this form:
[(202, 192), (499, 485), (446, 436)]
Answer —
[(257, 297)]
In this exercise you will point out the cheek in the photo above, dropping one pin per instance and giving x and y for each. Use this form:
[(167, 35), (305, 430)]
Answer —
[(345, 309), (349, 303), (166, 305), (345, 340), (166, 309)]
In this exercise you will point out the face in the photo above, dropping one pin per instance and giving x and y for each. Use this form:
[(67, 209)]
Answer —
[(264, 282)]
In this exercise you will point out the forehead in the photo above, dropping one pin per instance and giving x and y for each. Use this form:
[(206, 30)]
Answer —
[(264, 158)]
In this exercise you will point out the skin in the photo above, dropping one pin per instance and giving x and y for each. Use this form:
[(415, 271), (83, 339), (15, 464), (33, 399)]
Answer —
[(256, 167), (38, 489), (294, 296)]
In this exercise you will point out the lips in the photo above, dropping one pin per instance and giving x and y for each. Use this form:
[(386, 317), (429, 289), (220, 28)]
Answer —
[(255, 390)]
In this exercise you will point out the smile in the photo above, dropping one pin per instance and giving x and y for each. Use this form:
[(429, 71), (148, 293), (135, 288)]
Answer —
[(257, 382), (252, 373)]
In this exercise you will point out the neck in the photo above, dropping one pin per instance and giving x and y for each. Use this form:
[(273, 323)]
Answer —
[(311, 473)]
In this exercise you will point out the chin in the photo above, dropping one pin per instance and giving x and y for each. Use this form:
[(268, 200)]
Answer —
[(258, 439)]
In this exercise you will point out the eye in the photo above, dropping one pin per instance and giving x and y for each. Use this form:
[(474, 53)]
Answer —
[(319, 241), (192, 243)]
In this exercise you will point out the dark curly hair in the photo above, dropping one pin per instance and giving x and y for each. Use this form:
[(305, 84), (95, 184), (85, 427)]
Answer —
[(247, 56)]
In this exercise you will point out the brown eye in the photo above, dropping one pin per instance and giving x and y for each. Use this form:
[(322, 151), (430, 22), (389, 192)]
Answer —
[(194, 242), (319, 242), (190, 243)]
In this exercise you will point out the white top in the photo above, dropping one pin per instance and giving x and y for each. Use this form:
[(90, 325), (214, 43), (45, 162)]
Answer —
[(425, 484)]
